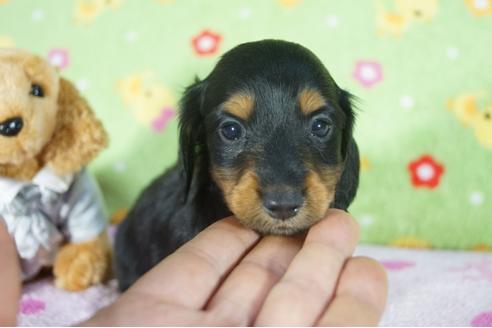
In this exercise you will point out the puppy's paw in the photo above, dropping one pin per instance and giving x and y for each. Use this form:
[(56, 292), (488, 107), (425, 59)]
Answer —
[(78, 266)]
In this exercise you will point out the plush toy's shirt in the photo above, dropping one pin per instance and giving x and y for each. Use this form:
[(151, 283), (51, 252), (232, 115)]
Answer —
[(48, 210)]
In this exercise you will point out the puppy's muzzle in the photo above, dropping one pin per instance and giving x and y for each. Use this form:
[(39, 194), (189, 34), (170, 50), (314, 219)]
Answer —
[(282, 204), (11, 127)]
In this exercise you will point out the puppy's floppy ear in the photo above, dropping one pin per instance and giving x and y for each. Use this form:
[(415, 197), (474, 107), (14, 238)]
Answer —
[(78, 137), (345, 100), (349, 181), (192, 133)]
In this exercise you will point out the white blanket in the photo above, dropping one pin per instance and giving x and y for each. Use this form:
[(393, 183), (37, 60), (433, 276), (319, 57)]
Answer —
[(436, 288), (427, 288)]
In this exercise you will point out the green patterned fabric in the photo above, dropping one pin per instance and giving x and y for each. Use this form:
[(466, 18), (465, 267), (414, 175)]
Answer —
[(421, 69)]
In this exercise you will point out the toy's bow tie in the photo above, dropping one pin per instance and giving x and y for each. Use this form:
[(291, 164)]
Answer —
[(32, 227)]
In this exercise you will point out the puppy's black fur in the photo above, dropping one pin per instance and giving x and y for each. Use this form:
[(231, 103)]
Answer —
[(270, 119)]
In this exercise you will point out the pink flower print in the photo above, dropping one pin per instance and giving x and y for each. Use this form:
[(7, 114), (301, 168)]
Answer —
[(483, 319), (368, 73), (159, 123), (480, 270), (31, 306), (397, 265), (59, 58), (206, 43)]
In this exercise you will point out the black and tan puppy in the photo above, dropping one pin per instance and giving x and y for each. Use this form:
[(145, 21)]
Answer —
[(267, 136)]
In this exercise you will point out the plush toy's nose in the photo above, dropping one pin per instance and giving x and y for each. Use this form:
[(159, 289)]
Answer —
[(11, 127)]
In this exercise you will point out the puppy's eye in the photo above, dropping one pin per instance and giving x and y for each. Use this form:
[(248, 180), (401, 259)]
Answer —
[(231, 131), (37, 90), (320, 128)]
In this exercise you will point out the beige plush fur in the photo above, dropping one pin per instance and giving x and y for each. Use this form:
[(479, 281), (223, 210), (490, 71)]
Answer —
[(18, 70), (61, 131), (78, 266)]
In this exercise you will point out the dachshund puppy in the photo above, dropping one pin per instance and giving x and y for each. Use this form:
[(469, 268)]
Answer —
[(267, 137)]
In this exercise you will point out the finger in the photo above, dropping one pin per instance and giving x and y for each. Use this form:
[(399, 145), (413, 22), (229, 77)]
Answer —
[(137, 309), (10, 278), (189, 276), (238, 300), (360, 296), (309, 283)]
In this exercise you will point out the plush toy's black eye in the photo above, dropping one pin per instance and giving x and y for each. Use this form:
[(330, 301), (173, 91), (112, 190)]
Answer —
[(320, 128), (231, 131), (37, 90)]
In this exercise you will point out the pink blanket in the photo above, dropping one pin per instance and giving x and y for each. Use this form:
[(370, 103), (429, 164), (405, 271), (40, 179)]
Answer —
[(427, 288)]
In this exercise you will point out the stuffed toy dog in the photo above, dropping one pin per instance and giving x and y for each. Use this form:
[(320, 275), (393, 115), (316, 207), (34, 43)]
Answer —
[(50, 204)]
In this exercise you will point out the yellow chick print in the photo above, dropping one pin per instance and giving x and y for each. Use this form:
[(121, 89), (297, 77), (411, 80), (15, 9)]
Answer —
[(6, 42), (483, 127), (470, 114), (405, 13), (365, 164), (423, 10), (86, 11), (391, 23), (289, 3), (411, 242), (150, 101), (479, 7)]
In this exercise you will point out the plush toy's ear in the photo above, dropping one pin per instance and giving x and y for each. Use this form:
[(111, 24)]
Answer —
[(78, 137), (192, 132)]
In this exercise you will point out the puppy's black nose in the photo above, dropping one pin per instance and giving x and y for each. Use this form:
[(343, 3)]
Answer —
[(11, 127), (282, 205)]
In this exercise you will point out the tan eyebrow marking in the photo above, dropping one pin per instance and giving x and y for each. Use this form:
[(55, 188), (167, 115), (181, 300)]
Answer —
[(240, 104), (310, 100)]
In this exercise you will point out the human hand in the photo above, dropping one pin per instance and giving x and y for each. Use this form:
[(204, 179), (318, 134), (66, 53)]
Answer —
[(229, 275), (10, 278)]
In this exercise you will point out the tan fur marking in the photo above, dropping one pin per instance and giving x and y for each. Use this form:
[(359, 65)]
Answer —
[(320, 192), (244, 199), (310, 100), (224, 178), (242, 195), (240, 104)]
